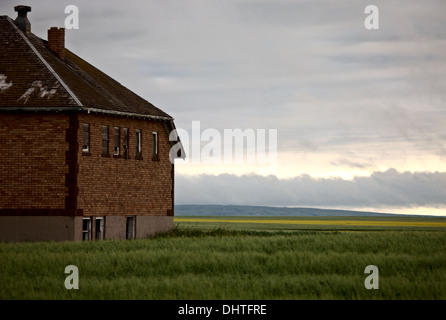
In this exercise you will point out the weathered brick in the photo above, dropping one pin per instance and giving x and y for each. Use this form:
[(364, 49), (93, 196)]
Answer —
[(118, 186)]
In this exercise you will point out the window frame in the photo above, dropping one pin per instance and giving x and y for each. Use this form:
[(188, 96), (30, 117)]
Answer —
[(130, 227), (86, 139), (116, 141), (125, 143), (99, 221), (155, 150), (86, 233), (138, 144), (105, 141)]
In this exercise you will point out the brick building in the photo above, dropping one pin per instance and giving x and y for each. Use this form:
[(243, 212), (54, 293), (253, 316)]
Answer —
[(81, 156)]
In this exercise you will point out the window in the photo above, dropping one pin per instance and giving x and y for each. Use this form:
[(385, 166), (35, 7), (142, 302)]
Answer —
[(138, 144), (99, 234), (126, 143), (105, 140), (86, 229), (155, 145), (86, 138), (130, 228), (117, 138)]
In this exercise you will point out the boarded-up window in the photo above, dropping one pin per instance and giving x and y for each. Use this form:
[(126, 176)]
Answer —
[(138, 143), (86, 137), (117, 138), (105, 140), (126, 143)]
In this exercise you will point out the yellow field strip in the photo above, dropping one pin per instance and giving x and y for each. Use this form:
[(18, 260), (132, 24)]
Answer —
[(324, 222)]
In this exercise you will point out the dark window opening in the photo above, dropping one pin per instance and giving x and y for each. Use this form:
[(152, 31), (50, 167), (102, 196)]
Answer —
[(155, 146), (86, 138), (117, 144), (99, 234), (130, 228), (138, 148), (105, 151), (86, 229), (126, 143)]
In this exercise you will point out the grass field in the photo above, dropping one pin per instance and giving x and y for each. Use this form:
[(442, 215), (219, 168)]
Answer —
[(240, 259)]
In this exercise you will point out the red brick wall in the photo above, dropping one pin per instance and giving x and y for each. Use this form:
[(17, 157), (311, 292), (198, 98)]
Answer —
[(118, 186), (33, 161), (35, 176)]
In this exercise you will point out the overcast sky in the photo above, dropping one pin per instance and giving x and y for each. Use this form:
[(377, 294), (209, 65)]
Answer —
[(360, 114)]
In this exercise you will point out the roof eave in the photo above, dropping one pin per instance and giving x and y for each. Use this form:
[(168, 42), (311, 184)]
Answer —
[(39, 109), (83, 109), (127, 114)]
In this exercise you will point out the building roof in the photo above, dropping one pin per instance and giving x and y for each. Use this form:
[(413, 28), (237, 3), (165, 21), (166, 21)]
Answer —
[(33, 77)]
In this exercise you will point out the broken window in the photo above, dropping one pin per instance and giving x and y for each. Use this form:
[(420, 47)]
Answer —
[(155, 145), (86, 137), (99, 234), (105, 140), (86, 229), (138, 143), (130, 228), (117, 144), (126, 143)]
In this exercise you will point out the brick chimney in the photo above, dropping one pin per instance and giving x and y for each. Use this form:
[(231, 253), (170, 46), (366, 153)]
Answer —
[(56, 41), (22, 20)]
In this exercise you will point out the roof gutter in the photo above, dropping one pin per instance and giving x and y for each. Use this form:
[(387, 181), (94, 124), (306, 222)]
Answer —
[(127, 114), (88, 110), (41, 109)]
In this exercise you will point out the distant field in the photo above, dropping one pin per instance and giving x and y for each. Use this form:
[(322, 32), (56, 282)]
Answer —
[(239, 258), (320, 223)]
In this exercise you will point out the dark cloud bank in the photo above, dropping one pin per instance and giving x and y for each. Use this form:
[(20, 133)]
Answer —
[(379, 190)]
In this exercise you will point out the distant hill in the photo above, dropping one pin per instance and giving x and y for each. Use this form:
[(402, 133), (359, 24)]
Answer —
[(237, 210)]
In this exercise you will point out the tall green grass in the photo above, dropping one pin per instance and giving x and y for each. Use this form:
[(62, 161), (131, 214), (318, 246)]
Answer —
[(225, 264)]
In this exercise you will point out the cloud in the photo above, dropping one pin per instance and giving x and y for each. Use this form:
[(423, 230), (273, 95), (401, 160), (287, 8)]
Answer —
[(381, 189), (308, 69)]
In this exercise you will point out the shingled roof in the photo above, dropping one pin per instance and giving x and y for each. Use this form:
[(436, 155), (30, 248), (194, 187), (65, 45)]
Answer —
[(33, 77)]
